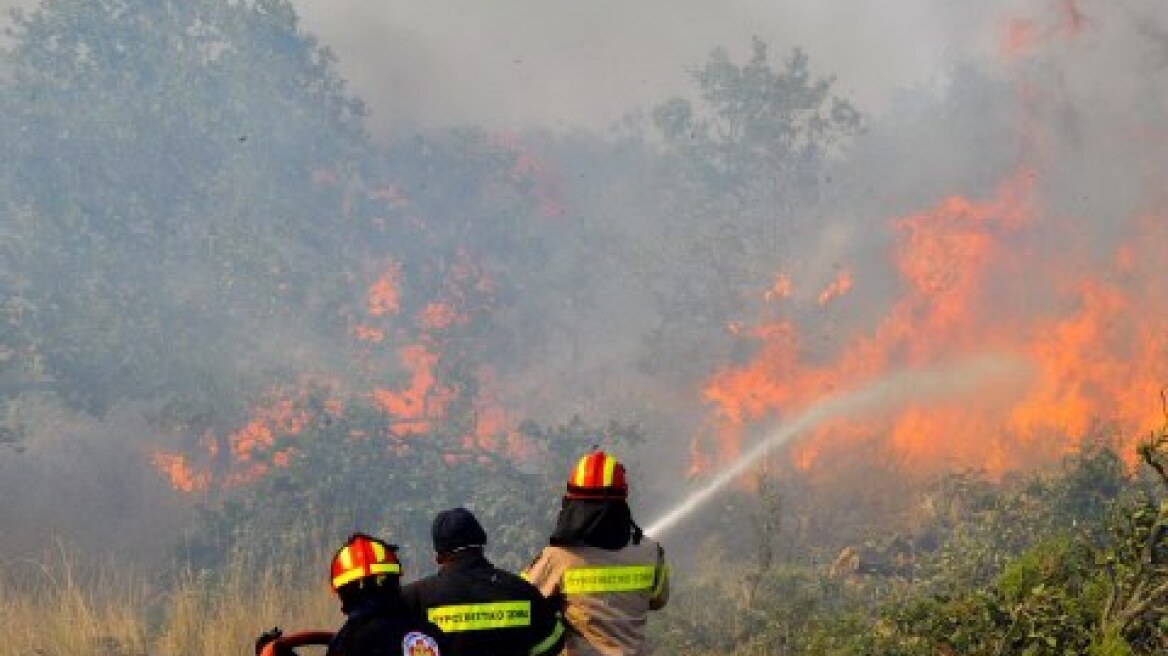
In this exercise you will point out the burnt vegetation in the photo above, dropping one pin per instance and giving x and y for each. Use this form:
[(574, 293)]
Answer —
[(236, 322)]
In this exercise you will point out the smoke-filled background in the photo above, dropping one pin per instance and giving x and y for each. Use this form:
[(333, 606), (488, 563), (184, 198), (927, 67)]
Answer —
[(270, 271), (524, 63)]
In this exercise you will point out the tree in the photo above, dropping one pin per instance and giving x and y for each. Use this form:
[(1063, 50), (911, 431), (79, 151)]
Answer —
[(158, 192), (745, 163), (349, 471)]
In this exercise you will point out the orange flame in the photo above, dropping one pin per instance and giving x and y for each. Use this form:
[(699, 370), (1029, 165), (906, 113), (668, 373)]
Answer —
[(970, 284), (780, 290), (419, 340), (1021, 37), (838, 287), (179, 472), (530, 167), (422, 399), (367, 333), (438, 316), (248, 453), (383, 295)]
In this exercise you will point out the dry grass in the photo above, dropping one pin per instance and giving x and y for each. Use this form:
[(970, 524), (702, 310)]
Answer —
[(49, 609)]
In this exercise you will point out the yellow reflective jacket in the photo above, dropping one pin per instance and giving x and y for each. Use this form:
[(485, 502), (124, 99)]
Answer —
[(607, 594)]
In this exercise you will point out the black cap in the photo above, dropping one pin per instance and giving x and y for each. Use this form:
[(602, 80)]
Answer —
[(456, 529)]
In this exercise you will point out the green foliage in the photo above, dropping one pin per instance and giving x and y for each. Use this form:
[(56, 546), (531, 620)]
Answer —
[(981, 528), (349, 472), (159, 159), (193, 215), (743, 164), (776, 616), (1044, 602), (1110, 644), (1066, 562), (190, 212), (754, 122)]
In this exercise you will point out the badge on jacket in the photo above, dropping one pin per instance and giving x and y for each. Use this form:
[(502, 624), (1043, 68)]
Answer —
[(419, 644)]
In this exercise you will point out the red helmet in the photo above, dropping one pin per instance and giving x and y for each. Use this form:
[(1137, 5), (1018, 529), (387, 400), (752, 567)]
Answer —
[(363, 557), (598, 476)]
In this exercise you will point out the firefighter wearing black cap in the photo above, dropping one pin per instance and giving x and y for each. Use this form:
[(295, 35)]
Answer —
[(481, 608), (366, 576), (607, 572)]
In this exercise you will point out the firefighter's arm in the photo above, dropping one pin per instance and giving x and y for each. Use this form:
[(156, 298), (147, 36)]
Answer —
[(660, 582), (548, 628), (543, 574)]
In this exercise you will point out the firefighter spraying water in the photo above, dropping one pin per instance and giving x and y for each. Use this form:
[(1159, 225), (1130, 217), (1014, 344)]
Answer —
[(608, 574), (600, 569), (950, 380), (600, 573)]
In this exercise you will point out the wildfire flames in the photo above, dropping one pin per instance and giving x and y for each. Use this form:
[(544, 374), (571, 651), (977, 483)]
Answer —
[(1023, 35), (979, 275), (1000, 272), (838, 287), (248, 453), (1004, 274), (268, 438), (1097, 336)]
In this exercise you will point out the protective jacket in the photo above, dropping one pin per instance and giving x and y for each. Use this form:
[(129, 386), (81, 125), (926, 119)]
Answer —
[(607, 594), (486, 611), (386, 628)]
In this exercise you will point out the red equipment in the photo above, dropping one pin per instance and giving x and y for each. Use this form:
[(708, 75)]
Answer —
[(298, 639)]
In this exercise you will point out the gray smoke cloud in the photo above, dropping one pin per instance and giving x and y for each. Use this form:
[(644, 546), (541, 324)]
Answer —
[(529, 62), (87, 487), (538, 64)]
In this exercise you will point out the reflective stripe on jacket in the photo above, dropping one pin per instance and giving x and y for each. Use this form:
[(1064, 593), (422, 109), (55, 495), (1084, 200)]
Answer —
[(486, 610), (385, 630), (607, 594)]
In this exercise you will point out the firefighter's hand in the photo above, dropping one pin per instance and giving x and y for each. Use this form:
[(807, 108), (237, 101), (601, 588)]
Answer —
[(272, 636), (266, 637)]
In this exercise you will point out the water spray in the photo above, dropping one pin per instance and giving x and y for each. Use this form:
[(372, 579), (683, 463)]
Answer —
[(952, 379)]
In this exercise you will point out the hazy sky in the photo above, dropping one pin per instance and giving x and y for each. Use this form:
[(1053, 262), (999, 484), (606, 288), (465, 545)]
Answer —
[(512, 63), (509, 63)]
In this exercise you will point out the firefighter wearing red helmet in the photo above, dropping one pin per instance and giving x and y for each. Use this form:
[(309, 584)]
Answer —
[(607, 572), (366, 576)]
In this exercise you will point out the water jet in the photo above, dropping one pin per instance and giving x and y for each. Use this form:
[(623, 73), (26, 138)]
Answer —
[(943, 381)]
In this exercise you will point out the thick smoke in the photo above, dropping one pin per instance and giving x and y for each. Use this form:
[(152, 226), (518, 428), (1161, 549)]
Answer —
[(84, 487), (956, 99), (524, 63), (1044, 157)]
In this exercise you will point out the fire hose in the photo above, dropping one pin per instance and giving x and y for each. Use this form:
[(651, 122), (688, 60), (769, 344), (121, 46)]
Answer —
[(284, 643)]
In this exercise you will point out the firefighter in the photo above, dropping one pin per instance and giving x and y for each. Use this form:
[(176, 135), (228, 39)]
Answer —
[(607, 572), (481, 608), (366, 576)]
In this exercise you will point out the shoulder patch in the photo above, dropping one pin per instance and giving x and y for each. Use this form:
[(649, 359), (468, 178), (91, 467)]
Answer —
[(417, 643)]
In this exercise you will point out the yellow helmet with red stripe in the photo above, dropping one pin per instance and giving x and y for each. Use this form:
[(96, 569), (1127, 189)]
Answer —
[(362, 557), (598, 475)]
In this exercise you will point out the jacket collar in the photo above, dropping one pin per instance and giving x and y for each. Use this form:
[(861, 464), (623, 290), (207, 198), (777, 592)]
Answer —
[(470, 559)]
